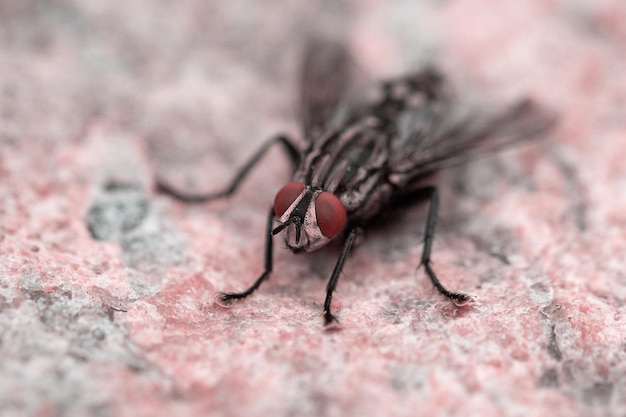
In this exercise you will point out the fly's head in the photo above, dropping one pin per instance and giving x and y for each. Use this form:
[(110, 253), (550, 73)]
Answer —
[(309, 217)]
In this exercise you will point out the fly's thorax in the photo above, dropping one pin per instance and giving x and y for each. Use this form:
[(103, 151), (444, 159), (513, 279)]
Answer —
[(352, 163), (310, 217)]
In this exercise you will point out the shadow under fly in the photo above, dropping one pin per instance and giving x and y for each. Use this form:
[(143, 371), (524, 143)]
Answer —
[(359, 160)]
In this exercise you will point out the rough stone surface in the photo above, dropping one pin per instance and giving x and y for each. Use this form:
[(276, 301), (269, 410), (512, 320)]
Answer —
[(106, 286)]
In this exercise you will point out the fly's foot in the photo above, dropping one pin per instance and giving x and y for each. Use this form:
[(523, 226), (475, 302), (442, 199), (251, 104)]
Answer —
[(224, 299), (330, 322), (461, 300)]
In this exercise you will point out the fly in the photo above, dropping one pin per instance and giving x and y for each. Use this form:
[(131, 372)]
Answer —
[(360, 161)]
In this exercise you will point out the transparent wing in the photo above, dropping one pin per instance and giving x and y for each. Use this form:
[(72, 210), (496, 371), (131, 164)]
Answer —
[(325, 77), (434, 129)]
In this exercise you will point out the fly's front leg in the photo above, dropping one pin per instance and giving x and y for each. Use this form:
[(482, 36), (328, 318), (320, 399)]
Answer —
[(291, 150), (332, 283), (432, 195), (225, 299)]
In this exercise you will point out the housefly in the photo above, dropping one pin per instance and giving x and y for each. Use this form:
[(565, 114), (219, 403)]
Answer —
[(360, 160)]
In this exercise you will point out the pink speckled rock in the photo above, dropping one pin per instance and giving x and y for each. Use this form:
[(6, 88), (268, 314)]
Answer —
[(106, 286)]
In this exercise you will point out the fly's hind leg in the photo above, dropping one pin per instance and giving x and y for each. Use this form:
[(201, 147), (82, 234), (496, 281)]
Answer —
[(431, 194)]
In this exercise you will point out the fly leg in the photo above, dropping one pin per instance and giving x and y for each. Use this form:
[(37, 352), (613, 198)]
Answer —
[(332, 283), (432, 195), (293, 153), (225, 299)]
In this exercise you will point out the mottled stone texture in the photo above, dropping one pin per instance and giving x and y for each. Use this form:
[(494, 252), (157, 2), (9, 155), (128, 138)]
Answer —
[(106, 286)]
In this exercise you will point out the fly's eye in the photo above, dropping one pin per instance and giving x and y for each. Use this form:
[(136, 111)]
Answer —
[(286, 196), (331, 214)]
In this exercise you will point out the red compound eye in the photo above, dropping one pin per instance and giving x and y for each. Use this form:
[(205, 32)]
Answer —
[(286, 196), (331, 214)]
